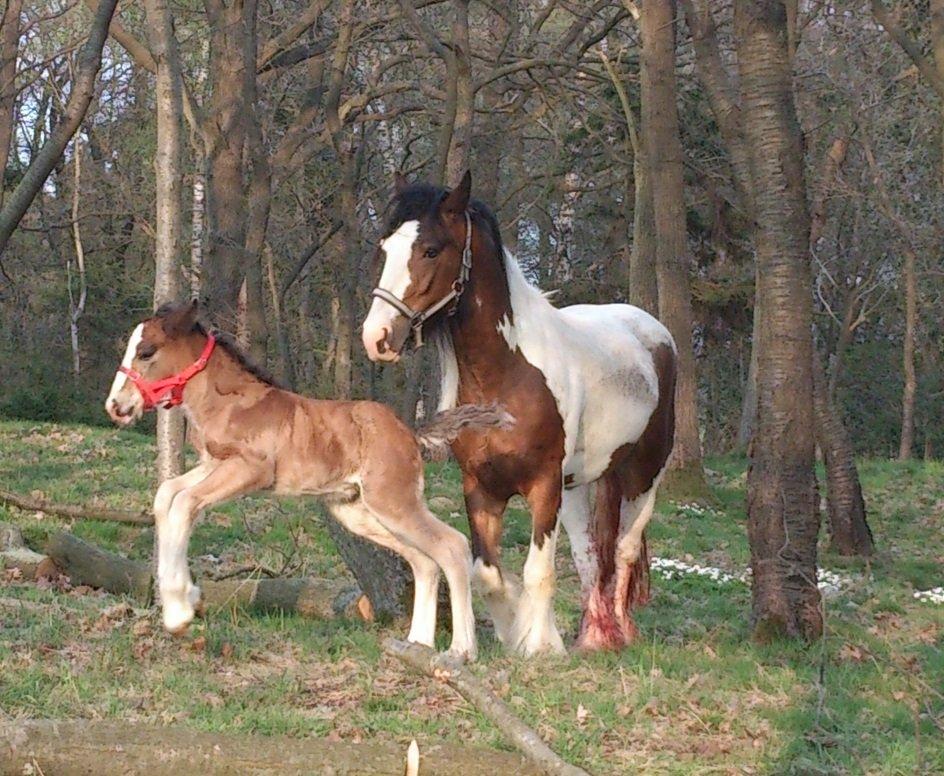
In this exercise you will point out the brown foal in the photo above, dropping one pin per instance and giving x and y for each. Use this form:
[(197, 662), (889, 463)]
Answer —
[(253, 436)]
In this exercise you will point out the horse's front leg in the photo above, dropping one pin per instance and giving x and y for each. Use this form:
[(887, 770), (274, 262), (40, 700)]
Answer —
[(499, 589), (229, 478), (534, 629), (163, 499)]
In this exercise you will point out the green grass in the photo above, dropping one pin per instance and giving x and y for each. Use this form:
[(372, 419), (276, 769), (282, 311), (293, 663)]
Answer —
[(694, 695)]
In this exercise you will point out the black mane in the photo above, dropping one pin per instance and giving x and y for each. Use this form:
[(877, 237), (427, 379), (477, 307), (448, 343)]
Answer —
[(228, 344), (421, 199)]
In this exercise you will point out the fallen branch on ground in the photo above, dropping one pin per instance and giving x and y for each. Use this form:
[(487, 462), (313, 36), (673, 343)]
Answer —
[(425, 661), (111, 748), (77, 512), (321, 599)]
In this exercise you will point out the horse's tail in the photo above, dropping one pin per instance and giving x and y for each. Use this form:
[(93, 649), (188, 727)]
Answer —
[(447, 425)]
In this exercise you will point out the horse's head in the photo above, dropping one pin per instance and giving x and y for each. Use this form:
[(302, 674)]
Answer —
[(158, 348), (422, 256)]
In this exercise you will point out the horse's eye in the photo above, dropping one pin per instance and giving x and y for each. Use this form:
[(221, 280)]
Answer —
[(147, 353), (431, 253)]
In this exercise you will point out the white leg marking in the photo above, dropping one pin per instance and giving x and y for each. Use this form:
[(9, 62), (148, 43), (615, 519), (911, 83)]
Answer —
[(501, 592), (178, 593), (575, 516), (534, 629)]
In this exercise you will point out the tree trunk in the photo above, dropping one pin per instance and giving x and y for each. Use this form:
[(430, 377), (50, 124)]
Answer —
[(660, 135), (848, 529), (9, 45), (168, 202), (225, 134), (783, 519), (460, 139), (908, 356), (80, 97), (643, 284)]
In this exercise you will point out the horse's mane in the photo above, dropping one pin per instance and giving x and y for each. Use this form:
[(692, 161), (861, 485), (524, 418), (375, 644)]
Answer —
[(419, 199), (228, 344)]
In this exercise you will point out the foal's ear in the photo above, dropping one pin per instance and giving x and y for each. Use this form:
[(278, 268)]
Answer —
[(181, 320), (400, 183), (457, 200)]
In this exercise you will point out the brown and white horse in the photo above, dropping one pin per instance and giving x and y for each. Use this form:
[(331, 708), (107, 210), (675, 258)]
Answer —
[(591, 388), (253, 436)]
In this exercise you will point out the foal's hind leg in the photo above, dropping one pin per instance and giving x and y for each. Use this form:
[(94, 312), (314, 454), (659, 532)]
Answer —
[(410, 521), (357, 519)]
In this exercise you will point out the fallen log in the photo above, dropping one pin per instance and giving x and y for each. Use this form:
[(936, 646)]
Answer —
[(86, 564), (310, 597), (526, 740), (73, 511), (113, 748)]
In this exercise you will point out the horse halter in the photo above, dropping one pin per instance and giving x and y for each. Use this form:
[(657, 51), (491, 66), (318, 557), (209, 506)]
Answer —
[(419, 317), (154, 392)]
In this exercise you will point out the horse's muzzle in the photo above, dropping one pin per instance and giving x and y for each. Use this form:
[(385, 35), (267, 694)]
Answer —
[(384, 343), (120, 414)]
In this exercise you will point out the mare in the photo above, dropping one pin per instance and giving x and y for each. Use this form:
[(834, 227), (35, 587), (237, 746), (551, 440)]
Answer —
[(591, 388)]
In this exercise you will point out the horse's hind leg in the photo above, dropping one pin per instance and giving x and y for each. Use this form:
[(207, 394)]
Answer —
[(632, 558), (410, 521), (358, 519)]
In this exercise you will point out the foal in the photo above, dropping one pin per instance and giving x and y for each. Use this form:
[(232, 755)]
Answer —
[(253, 436)]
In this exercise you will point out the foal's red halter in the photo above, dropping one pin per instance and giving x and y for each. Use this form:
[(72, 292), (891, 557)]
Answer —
[(154, 392)]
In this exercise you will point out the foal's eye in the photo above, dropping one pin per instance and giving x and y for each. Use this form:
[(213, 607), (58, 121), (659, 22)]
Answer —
[(147, 353), (431, 253)]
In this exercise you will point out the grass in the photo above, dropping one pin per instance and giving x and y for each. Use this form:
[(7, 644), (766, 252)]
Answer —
[(694, 695)]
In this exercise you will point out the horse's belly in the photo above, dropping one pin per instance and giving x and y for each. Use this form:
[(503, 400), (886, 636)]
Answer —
[(614, 413)]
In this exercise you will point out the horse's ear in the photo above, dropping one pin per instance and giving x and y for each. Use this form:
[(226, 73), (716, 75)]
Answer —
[(181, 320), (457, 200), (400, 183)]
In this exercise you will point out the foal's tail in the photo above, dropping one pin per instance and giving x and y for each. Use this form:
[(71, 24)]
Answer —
[(447, 425)]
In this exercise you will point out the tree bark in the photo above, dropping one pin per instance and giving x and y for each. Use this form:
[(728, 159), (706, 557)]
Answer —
[(9, 46), (848, 529), (783, 519), (664, 157), (168, 285), (232, 65), (80, 97), (910, 387), (460, 138)]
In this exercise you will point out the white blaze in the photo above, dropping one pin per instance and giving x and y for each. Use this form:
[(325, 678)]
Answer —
[(120, 377), (395, 278)]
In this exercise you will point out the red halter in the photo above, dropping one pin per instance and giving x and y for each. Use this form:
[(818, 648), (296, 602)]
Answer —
[(156, 392)]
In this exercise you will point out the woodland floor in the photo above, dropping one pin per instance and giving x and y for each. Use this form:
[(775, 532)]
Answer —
[(694, 695)]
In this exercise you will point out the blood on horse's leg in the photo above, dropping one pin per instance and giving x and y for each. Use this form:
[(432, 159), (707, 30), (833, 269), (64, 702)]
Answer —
[(599, 627), (632, 559)]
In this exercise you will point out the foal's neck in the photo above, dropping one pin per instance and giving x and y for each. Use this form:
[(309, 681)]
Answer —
[(223, 382)]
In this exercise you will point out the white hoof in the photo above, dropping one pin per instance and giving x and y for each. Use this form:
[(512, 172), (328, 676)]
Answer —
[(535, 634), (179, 608)]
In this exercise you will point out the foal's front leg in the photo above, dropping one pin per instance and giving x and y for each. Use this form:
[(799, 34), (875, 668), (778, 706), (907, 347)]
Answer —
[(229, 478)]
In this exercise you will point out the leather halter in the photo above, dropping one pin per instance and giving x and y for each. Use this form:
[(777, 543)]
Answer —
[(155, 392), (419, 317)]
